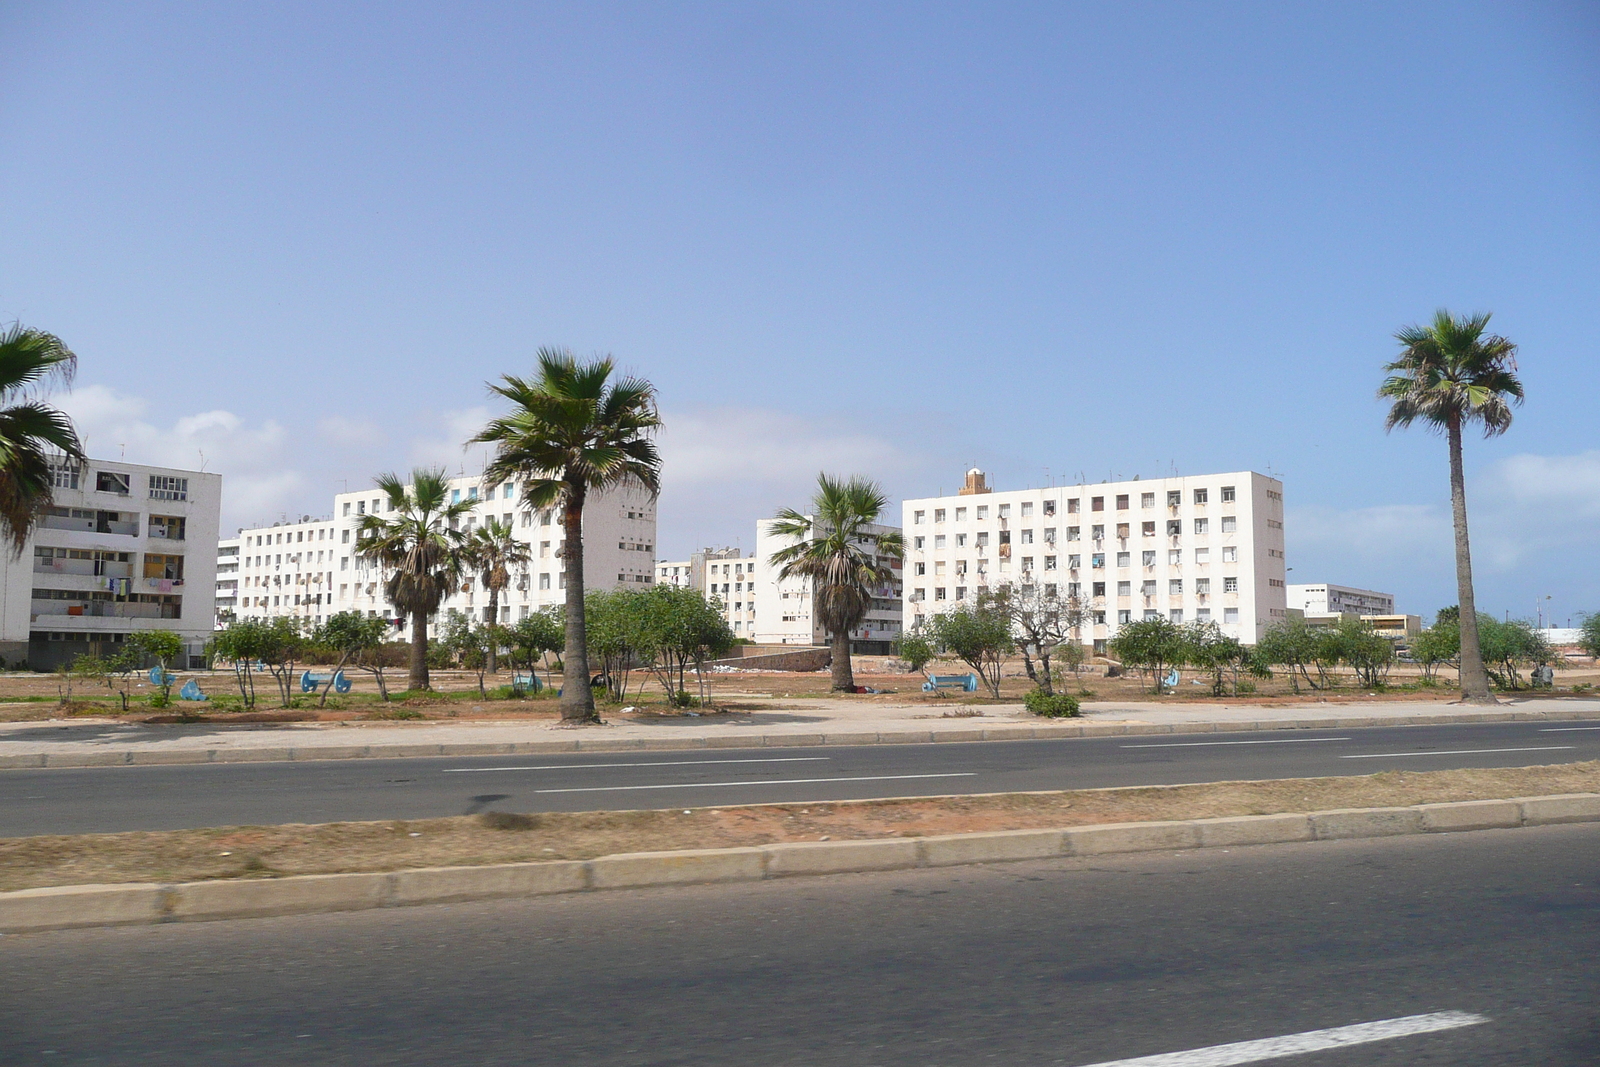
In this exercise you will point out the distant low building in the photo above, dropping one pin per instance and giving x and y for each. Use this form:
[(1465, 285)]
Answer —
[(1327, 599)]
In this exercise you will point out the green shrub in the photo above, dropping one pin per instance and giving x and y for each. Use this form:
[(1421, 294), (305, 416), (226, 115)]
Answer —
[(1051, 705)]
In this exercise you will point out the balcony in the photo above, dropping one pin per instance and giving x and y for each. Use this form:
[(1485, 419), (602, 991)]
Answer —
[(93, 568), (105, 609)]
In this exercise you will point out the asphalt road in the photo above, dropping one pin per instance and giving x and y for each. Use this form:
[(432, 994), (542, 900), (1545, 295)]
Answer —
[(103, 800), (1062, 962)]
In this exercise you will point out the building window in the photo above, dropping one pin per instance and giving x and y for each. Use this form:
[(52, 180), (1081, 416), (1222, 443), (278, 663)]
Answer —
[(1202, 586), (1072, 506), (1199, 496), (1074, 561), (1004, 511), (1175, 587), (1124, 617), (1124, 559), (111, 482), (961, 592), (920, 569), (1098, 533), (1097, 561), (961, 540), (961, 516), (1027, 563), (1099, 589), (1230, 554), (1230, 585), (1147, 500), (346, 509), (1227, 494), (1124, 588), (1148, 558), (1049, 507), (938, 514), (938, 542), (1097, 504), (1230, 523), (1175, 557), (917, 517), (1026, 537), (1027, 509), (1176, 615), (167, 487), (1174, 527), (983, 511), (1147, 529), (1230, 614), (168, 527), (1050, 563), (1174, 497), (1148, 587), (918, 541), (1072, 533), (1200, 526), (1122, 502)]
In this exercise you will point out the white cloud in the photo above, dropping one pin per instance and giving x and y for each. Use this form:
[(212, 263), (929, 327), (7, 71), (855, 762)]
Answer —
[(351, 433), (258, 479), (445, 446), (1534, 522)]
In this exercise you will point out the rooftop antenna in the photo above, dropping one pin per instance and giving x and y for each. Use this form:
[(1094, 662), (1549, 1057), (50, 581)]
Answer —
[(122, 451), (202, 459)]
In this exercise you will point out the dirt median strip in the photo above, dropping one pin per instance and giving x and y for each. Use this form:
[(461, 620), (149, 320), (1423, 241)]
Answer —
[(110, 905), (259, 853)]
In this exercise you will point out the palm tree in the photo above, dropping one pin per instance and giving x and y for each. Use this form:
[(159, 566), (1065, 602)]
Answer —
[(31, 432), (843, 560), (573, 431), (1449, 375), (494, 551), (419, 548)]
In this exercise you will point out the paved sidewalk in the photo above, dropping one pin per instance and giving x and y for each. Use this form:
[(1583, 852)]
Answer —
[(789, 722)]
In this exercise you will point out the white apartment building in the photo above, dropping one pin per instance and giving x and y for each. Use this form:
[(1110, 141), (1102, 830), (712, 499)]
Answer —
[(309, 568), (723, 574), (783, 609), (1201, 547), (109, 558), (1326, 599)]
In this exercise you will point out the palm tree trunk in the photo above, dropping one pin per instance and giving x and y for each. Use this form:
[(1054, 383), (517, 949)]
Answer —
[(577, 699), (419, 651), (494, 622), (1474, 680), (844, 679)]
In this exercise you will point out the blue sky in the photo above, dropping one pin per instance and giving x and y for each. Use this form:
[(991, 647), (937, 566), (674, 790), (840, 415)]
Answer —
[(1048, 240)]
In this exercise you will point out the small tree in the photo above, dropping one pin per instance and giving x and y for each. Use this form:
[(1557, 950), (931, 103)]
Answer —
[(612, 620), (1207, 649), (676, 627), (1042, 621), (1439, 643), (350, 635), (1589, 635), (1364, 651), (915, 649), (1509, 646), (979, 634), (1290, 644), (535, 636), (281, 644), (164, 647), (241, 644), (1151, 646)]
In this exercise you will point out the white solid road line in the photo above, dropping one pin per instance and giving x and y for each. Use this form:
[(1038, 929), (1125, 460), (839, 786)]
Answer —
[(1275, 741), (657, 763), (1565, 729), (1272, 1048), (1458, 752), (773, 781)]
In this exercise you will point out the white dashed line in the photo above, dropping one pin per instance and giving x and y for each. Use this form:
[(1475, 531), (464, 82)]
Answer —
[(774, 781), (1565, 729), (661, 763), (1272, 1048), (1275, 741), (1457, 752)]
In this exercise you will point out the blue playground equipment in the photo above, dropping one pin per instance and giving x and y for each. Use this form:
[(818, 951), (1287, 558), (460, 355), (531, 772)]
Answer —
[(310, 682), (161, 677), (967, 683), (191, 691)]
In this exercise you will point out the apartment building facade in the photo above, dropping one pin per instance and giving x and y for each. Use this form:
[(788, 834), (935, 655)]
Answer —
[(784, 608), (722, 575), (1199, 547), (113, 555), (1323, 598), (310, 569)]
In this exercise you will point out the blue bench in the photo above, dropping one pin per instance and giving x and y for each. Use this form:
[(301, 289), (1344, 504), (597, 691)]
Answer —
[(309, 683), (525, 683), (967, 683)]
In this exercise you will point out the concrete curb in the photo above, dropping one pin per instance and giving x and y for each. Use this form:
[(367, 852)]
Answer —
[(1042, 732), (68, 907)]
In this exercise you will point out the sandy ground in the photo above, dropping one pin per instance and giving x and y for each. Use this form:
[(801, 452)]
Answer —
[(269, 851)]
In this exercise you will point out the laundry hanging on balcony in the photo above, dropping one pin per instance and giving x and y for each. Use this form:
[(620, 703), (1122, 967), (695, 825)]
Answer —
[(162, 584)]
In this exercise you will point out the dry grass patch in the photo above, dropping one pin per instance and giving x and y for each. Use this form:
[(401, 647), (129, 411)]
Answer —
[(505, 837)]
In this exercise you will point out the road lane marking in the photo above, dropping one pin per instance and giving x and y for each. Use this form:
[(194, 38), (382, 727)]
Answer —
[(1565, 729), (1272, 1048), (1275, 741), (1457, 752), (773, 781), (660, 763)]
